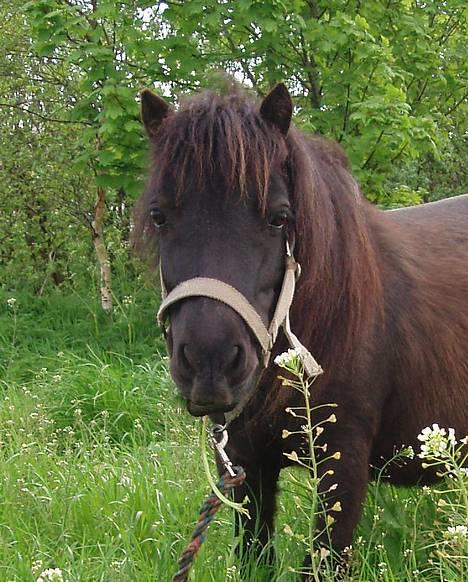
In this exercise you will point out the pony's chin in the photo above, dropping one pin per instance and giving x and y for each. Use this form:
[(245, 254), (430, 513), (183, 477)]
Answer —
[(216, 411)]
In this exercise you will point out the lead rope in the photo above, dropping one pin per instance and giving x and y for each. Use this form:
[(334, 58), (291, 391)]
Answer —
[(232, 477)]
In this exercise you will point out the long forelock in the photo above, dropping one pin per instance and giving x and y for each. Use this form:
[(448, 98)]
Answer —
[(217, 138)]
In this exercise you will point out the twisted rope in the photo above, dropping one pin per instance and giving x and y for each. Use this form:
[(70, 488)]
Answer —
[(206, 515)]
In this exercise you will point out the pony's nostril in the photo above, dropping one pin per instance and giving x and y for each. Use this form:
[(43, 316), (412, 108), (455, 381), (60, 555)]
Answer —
[(187, 358), (234, 360)]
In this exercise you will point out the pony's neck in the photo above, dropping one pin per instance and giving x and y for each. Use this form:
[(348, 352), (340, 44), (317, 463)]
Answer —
[(340, 297)]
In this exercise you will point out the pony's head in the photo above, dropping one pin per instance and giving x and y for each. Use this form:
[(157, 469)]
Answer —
[(232, 184), (218, 200)]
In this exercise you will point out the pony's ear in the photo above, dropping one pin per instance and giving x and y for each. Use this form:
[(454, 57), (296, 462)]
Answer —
[(153, 110), (277, 108)]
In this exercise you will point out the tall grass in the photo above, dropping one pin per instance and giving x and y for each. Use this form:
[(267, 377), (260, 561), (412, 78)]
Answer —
[(101, 473)]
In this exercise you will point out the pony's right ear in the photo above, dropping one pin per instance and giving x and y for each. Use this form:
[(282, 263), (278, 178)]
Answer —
[(277, 108), (153, 110)]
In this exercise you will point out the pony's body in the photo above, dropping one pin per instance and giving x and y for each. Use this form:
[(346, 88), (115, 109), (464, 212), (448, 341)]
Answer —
[(410, 372), (428, 352), (382, 301)]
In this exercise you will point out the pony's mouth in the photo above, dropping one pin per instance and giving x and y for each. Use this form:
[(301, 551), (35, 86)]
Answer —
[(218, 398), (198, 409)]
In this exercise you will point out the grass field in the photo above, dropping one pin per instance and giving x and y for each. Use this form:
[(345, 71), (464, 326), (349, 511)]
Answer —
[(100, 466)]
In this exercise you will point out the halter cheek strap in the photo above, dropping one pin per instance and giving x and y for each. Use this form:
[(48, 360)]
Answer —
[(266, 337)]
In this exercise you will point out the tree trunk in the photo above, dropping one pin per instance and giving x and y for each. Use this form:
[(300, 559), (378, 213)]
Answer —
[(101, 250)]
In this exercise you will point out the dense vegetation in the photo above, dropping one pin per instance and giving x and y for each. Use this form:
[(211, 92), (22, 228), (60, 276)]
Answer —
[(100, 470)]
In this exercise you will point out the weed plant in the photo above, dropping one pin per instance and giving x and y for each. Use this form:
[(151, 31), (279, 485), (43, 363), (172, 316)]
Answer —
[(101, 475)]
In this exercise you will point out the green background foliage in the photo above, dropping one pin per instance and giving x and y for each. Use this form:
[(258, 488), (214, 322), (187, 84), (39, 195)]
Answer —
[(385, 79), (110, 492)]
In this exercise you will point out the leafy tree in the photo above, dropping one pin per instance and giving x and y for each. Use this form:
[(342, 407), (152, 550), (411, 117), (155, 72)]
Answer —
[(386, 79), (42, 199), (101, 45)]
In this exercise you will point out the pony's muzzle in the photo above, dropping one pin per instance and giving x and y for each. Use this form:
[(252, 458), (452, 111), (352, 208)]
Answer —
[(213, 374), (213, 355)]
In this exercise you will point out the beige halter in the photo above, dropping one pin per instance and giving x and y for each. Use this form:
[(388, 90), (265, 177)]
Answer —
[(266, 337)]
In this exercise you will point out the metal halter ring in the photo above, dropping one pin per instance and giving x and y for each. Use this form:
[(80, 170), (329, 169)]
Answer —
[(219, 445)]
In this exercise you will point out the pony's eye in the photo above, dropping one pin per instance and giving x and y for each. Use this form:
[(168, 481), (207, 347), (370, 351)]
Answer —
[(158, 217), (279, 220)]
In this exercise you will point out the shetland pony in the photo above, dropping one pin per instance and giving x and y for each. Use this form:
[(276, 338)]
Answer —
[(382, 301)]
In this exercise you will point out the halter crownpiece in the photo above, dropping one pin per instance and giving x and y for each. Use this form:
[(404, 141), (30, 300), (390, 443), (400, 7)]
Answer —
[(266, 337)]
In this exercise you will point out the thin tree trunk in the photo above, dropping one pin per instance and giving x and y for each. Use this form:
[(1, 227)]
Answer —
[(101, 250)]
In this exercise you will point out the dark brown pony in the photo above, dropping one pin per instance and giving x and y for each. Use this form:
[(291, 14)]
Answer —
[(382, 302)]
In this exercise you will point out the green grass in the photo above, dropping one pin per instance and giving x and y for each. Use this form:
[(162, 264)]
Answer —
[(101, 474)]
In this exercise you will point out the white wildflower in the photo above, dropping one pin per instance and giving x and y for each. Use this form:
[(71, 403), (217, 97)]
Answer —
[(435, 441), (36, 566), (348, 551), (407, 552), (456, 532), (407, 452), (137, 424), (11, 302), (382, 566), (451, 437), (231, 573), (51, 575), (288, 359)]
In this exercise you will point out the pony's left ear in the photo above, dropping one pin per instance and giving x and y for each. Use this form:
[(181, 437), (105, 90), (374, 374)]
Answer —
[(153, 111), (277, 108)]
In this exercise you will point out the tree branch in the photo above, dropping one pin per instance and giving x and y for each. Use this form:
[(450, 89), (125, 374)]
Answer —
[(44, 117), (312, 74), (374, 149), (348, 95), (457, 104)]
